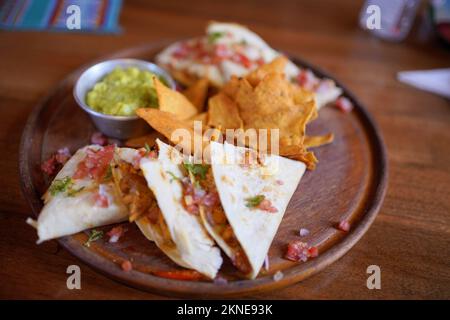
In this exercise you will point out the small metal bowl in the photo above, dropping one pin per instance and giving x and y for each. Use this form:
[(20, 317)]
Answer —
[(120, 127)]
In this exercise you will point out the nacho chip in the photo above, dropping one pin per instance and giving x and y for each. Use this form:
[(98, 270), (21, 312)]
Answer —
[(140, 142), (180, 132), (317, 141), (265, 99), (174, 102), (197, 93), (223, 113), (277, 65)]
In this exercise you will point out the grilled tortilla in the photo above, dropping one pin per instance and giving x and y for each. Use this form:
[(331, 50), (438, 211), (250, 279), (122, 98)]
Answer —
[(254, 196), (178, 233), (71, 203)]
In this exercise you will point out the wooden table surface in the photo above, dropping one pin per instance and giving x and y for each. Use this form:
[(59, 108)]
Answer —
[(409, 240)]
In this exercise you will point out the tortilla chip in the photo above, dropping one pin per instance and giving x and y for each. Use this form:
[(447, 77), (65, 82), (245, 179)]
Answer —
[(265, 99), (231, 87), (317, 141), (180, 133), (149, 139), (223, 113), (277, 65), (173, 101), (197, 93), (182, 77)]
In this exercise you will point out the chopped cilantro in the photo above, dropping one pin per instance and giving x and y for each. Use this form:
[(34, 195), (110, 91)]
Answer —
[(212, 37), (94, 236), (198, 170), (174, 177), (108, 174), (147, 148), (72, 192), (60, 185), (254, 201)]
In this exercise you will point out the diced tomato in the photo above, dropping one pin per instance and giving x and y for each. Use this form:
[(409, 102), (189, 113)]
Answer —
[(152, 154), (99, 138), (307, 80), (180, 275), (126, 266), (300, 251), (50, 166), (266, 205), (260, 62), (182, 51), (344, 225), (221, 51), (344, 104), (115, 234), (243, 59), (101, 200), (313, 252), (95, 164)]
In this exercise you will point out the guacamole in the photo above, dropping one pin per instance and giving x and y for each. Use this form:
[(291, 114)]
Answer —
[(123, 91)]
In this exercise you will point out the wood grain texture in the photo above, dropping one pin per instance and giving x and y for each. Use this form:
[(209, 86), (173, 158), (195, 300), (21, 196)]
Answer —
[(349, 184), (409, 240)]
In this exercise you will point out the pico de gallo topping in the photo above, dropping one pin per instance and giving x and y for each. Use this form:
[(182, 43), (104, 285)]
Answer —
[(344, 104), (54, 163), (260, 202), (96, 164), (146, 152), (216, 48), (300, 251), (200, 194), (101, 197), (126, 266), (115, 234), (344, 225)]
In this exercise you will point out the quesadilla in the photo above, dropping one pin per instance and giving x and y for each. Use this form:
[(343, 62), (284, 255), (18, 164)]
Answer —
[(230, 49), (254, 193), (159, 211), (82, 196)]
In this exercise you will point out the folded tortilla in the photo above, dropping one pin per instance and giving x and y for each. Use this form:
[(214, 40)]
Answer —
[(74, 209), (276, 179), (178, 233)]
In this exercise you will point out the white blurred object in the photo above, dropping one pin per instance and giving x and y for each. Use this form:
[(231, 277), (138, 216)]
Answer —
[(436, 81)]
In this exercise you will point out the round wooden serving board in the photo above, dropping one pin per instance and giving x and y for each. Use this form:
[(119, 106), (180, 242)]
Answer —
[(348, 183)]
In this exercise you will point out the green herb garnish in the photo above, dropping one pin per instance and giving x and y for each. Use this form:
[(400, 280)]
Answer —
[(94, 236), (212, 37), (147, 148), (199, 170), (174, 177), (108, 174), (254, 201), (60, 185), (72, 192)]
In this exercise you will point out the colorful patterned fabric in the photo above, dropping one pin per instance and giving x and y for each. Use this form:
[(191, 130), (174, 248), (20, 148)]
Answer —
[(95, 15)]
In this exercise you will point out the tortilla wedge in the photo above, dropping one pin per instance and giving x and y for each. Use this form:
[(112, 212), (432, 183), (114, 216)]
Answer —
[(73, 208), (176, 232), (276, 180)]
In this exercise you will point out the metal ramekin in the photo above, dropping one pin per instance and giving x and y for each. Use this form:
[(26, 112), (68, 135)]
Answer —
[(120, 127)]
